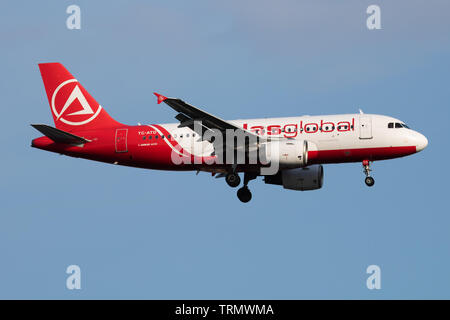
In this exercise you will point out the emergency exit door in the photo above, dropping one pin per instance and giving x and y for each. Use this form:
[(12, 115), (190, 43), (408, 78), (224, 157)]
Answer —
[(365, 127), (121, 140)]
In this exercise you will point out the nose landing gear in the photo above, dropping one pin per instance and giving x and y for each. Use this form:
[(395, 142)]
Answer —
[(369, 180)]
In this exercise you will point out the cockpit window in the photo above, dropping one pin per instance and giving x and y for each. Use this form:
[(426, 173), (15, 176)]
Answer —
[(397, 125)]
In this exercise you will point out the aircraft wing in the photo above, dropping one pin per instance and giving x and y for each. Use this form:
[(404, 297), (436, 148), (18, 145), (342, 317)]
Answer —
[(188, 115)]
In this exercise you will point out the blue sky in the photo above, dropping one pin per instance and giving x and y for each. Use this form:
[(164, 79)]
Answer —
[(162, 235)]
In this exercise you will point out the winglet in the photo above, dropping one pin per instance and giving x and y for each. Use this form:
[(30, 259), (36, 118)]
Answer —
[(160, 97)]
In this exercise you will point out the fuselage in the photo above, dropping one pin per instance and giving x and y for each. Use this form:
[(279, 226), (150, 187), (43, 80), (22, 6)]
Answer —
[(287, 152), (336, 139)]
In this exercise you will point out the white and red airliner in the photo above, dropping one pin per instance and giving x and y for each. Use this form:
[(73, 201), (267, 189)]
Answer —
[(297, 145)]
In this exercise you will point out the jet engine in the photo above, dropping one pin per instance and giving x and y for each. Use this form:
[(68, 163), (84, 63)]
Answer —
[(307, 178), (289, 153)]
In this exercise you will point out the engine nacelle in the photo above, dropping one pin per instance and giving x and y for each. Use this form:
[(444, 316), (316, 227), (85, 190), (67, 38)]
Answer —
[(288, 153), (308, 178)]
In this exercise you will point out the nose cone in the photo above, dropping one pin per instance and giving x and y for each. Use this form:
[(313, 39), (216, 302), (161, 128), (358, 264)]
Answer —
[(421, 142)]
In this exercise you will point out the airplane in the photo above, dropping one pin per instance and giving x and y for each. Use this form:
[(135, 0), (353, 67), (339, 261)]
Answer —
[(298, 146)]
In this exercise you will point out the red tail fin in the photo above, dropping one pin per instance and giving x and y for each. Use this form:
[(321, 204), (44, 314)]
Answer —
[(73, 108)]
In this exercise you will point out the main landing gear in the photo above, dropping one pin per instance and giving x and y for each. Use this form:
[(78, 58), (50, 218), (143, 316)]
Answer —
[(233, 180), (369, 180), (244, 193)]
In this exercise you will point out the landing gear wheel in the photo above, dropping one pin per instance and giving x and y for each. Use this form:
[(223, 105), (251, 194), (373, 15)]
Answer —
[(233, 179), (369, 181), (244, 194)]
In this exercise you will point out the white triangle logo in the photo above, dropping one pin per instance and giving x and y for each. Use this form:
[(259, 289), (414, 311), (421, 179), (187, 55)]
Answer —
[(77, 94)]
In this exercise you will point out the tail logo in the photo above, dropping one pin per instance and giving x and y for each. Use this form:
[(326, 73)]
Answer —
[(67, 100)]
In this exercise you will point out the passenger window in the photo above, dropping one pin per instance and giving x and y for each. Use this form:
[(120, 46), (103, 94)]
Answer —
[(168, 136), (162, 137), (156, 137), (187, 135), (149, 137), (143, 138), (390, 125)]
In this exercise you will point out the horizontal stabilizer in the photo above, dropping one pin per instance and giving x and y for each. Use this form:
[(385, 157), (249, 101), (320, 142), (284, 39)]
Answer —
[(58, 135)]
